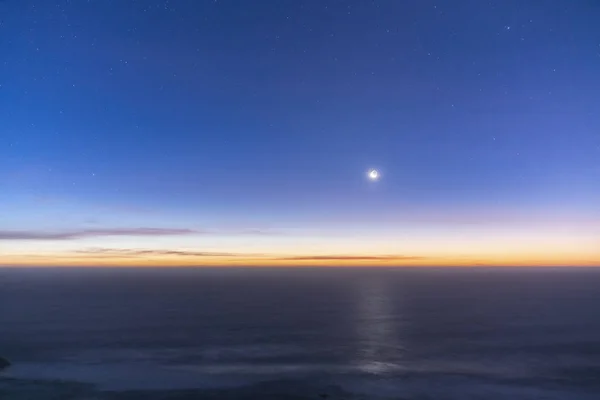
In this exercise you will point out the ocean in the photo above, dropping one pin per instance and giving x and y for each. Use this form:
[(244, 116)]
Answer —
[(300, 333)]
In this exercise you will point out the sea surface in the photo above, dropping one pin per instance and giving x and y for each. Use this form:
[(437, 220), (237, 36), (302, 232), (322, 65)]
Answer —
[(300, 333)]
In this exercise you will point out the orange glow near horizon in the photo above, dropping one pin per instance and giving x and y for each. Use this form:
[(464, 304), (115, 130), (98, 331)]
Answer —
[(456, 239), (515, 260)]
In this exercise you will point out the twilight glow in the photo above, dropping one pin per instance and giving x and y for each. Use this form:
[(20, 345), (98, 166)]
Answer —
[(242, 135)]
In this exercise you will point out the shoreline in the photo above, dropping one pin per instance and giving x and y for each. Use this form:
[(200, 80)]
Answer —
[(275, 389)]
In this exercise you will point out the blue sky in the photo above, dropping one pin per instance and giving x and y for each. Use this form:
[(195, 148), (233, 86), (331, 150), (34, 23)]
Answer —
[(235, 117)]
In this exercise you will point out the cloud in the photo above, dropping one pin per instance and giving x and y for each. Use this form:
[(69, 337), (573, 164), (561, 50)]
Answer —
[(101, 251), (350, 258), (88, 233)]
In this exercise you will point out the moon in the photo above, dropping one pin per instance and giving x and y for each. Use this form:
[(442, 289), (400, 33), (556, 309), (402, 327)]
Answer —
[(373, 174)]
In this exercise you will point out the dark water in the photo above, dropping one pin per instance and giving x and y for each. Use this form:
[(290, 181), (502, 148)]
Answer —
[(299, 333)]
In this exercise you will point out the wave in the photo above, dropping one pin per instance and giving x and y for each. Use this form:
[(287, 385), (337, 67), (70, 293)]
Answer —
[(297, 381)]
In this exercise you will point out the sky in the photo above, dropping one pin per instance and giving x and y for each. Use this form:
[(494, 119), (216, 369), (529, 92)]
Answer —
[(193, 132)]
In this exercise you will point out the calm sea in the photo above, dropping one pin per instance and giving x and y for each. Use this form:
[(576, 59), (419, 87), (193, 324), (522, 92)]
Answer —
[(426, 333)]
